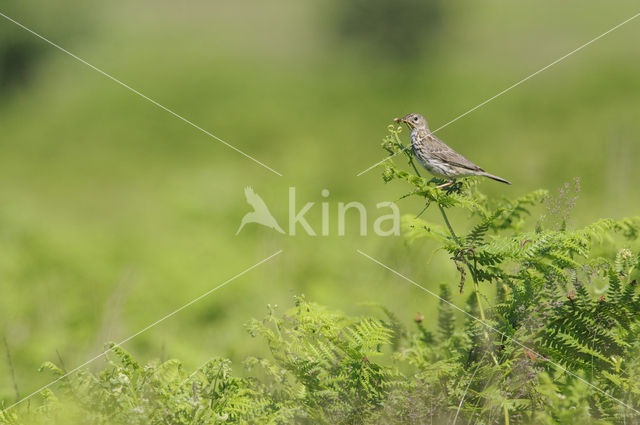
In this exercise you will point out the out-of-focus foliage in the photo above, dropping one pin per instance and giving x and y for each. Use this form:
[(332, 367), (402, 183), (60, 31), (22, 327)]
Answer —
[(543, 349), (323, 370), (544, 316), (21, 51), (114, 213), (402, 29)]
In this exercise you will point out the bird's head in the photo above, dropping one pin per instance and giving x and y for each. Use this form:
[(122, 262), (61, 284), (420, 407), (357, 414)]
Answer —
[(413, 121)]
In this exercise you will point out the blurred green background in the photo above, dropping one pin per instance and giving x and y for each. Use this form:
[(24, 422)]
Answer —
[(114, 213)]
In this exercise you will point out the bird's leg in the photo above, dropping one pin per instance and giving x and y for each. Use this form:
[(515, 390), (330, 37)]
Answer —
[(447, 184)]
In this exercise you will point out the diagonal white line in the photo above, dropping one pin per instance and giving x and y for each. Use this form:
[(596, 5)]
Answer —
[(194, 372), (480, 105), (380, 162), (466, 390), (195, 300), (497, 331), (131, 89)]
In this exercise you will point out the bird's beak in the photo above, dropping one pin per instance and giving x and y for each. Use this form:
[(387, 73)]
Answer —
[(402, 120), (407, 122)]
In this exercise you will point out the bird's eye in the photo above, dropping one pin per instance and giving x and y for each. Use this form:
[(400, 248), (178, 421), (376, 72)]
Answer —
[(415, 119)]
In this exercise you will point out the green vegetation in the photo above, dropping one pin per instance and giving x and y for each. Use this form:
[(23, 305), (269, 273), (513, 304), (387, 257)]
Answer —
[(114, 213), (545, 348)]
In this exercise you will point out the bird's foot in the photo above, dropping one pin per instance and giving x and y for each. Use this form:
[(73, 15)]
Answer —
[(447, 184)]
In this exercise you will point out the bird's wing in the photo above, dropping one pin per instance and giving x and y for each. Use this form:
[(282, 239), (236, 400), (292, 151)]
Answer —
[(439, 150), (254, 199)]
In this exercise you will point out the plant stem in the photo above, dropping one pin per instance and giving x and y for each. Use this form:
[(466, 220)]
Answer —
[(478, 299), (424, 209), (475, 281), (13, 374), (446, 220), (417, 174), (413, 165), (484, 320), (408, 153)]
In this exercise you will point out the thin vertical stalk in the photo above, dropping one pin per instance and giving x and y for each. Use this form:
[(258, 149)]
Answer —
[(478, 298), (475, 280), (13, 373), (408, 151)]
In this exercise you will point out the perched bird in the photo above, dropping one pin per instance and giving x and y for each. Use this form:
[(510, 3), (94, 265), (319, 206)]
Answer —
[(438, 158), (260, 213)]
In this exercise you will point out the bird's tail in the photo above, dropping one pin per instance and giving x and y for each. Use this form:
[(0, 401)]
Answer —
[(496, 178)]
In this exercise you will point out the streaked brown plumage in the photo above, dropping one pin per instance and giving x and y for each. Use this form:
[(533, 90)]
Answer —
[(438, 158)]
